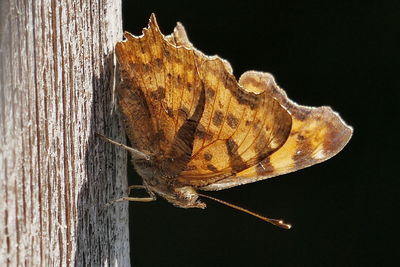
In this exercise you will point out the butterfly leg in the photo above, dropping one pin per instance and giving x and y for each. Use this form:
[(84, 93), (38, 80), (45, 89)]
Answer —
[(136, 199), (134, 151), (151, 197)]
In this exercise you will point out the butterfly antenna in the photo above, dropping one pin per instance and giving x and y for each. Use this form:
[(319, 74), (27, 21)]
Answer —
[(275, 222), (134, 151)]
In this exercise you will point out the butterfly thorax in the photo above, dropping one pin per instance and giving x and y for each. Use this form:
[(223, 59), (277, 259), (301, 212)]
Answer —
[(160, 178)]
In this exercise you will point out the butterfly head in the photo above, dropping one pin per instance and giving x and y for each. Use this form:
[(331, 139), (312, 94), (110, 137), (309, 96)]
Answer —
[(182, 197), (157, 179), (186, 197)]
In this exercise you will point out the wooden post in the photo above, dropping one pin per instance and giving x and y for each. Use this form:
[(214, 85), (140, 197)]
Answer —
[(57, 80)]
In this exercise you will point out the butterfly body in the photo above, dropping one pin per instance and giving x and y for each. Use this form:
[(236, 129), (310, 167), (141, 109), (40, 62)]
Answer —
[(159, 178), (202, 129)]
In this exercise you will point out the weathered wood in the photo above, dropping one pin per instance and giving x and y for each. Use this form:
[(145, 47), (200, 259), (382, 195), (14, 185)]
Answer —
[(57, 80)]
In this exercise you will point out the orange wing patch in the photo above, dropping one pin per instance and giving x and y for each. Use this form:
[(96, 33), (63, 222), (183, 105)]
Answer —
[(238, 128)]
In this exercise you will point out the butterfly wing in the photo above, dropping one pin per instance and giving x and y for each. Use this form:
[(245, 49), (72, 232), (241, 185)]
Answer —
[(210, 131), (317, 134)]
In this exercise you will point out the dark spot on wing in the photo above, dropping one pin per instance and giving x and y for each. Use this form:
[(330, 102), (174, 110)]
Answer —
[(202, 133), (231, 147), (190, 167), (146, 67), (232, 121), (158, 62), (159, 94), (218, 117), (210, 93), (189, 87), (212, 168), (257, 125), (237, 163), (170, 112), (261, 146), (207, 156)]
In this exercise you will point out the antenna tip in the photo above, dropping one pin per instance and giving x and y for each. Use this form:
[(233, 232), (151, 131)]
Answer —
[(288, 226), (280, 223)]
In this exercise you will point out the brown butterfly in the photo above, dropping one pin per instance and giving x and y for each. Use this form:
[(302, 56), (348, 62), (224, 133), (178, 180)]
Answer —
[(193, 127)]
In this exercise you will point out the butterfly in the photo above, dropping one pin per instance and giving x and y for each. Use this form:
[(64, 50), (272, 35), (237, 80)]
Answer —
[(194, 127)]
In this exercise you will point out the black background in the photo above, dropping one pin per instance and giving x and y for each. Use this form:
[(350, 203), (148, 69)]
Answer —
[(336, 53)]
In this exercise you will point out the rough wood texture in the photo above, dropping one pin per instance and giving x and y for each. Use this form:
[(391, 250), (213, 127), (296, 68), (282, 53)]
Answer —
[(56, 91)]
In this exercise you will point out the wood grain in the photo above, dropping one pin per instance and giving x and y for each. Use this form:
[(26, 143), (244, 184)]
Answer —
[(57, 78)]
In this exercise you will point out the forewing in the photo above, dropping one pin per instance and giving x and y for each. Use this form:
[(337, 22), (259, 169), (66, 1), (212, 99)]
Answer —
[(160, 88)]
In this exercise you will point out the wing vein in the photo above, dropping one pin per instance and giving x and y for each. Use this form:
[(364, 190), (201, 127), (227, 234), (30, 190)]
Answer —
[(212, 112), (258, 134), (224, 120)]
